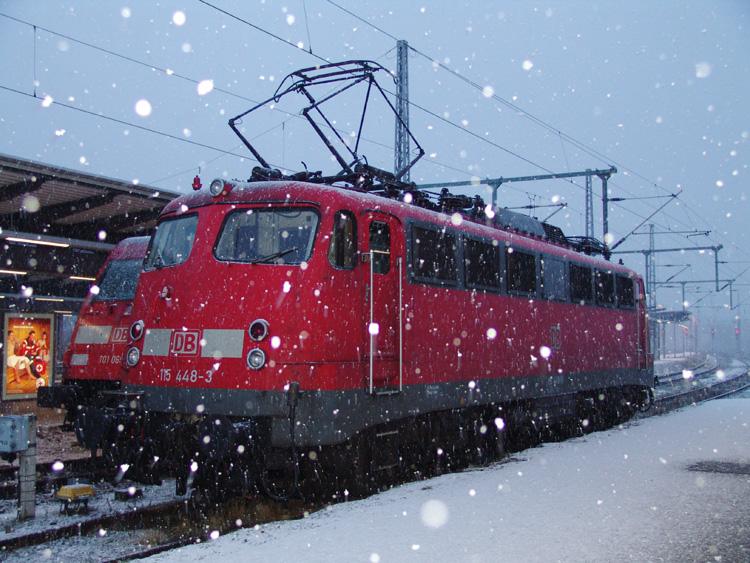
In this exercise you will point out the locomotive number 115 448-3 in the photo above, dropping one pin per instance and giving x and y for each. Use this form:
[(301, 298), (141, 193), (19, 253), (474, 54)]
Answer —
[(186, 375)]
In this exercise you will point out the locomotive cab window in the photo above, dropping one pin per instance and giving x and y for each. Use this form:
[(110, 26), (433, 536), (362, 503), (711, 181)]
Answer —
[(482, 264), (580, 284), (172, 242), (267, 236), (521, 271), (605, 288), (625, 293), (342, 253), (380, 246), (554, 279), (433, 256), (119, 280)]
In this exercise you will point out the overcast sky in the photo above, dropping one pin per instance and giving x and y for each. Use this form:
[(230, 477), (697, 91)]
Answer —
[(659, 89)]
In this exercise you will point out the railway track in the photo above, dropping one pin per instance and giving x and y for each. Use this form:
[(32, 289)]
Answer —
[(189, 526), (697, 371), (727, 386)]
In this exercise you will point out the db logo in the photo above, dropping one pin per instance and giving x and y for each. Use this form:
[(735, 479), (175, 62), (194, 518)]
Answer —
[(120, 334), (185, 342)]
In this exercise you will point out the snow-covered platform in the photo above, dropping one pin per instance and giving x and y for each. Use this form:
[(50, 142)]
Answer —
[(627, 494)]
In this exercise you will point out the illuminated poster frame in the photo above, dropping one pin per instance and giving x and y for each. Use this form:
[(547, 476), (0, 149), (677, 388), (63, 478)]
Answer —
[(28, 359)]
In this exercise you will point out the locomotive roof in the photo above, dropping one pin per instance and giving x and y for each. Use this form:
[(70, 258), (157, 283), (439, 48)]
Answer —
[(334, 198)]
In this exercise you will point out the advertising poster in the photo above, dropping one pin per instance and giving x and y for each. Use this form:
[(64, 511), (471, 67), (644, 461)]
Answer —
[(27, 353)]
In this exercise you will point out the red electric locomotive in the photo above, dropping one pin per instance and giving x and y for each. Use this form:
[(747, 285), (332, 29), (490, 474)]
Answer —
[(361, 313), (93, 362)]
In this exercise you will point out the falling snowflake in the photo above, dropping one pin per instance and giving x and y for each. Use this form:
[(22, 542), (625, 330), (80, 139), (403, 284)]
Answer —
[(179, 18), (30, 203), (702, 70), (205, 86), (143, 107)]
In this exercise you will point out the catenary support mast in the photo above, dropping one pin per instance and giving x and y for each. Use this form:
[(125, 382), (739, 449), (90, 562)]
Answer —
[(401, 157)]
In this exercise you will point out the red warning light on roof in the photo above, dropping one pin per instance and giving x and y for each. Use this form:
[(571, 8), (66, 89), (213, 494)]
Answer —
[(197, 183)]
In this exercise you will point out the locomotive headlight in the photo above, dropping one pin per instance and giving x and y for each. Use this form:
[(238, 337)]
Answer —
[(132, 357), (136, 330), (256, 358), (258, 330), (219, 187)]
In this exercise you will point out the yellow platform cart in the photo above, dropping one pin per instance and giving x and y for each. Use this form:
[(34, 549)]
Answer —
[(75, 498)]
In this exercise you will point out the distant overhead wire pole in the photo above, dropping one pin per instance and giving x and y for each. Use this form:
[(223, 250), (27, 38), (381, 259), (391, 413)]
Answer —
[(589, 207), (649, 253)]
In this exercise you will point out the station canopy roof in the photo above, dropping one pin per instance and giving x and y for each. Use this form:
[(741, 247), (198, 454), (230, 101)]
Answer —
[(58, 226)]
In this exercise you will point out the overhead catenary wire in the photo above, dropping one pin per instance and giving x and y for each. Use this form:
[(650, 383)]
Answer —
[(129, 124)]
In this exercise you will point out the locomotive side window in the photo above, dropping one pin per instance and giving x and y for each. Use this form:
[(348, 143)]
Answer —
[(605, 288), (521, 271), (625, 294), (267, 236), (482, 264), (580, 284), (119, 280), (380, 245), (172, 242), (433, 256), (554, 279), (343, 250)]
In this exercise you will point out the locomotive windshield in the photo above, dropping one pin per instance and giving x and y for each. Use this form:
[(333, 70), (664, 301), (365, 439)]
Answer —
[(172, 242), (267, 236), (119, 280)]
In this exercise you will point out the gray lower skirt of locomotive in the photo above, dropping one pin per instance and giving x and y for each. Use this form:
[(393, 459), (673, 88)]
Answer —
[(332, 417)]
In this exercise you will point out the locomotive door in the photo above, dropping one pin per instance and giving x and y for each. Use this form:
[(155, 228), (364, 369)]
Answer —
[(383, 269)]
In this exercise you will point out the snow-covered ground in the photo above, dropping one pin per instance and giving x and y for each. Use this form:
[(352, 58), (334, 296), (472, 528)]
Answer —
[(622, 495)]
